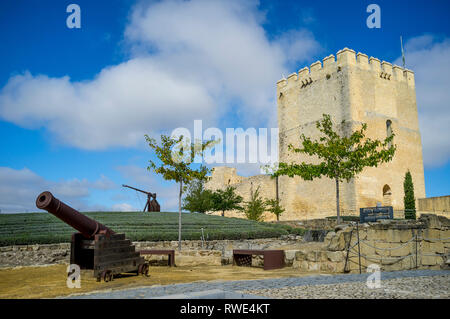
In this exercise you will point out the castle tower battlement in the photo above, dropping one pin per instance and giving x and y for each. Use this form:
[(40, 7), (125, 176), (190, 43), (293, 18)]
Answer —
[(348, 57)]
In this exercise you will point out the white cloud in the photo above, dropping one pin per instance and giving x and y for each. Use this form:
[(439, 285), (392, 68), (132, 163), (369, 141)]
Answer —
[(298, 45), (191, 59), (116, 108), (19, 189), (429, 58), (124, 207)]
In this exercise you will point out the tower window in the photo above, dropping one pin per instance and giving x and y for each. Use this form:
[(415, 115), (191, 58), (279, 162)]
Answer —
[(387, 194)]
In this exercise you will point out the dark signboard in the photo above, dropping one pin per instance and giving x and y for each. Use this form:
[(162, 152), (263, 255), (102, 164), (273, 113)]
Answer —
[(372, 214)]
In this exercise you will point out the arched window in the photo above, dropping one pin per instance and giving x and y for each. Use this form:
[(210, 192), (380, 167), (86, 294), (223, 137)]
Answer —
[(387, 194), (389, 130)]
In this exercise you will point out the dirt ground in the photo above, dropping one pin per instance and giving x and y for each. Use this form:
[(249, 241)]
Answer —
[(50, 281)]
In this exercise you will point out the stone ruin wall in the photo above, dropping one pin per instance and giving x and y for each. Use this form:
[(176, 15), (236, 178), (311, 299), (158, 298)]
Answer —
[(390, 244), (438, 205), (223, 176)]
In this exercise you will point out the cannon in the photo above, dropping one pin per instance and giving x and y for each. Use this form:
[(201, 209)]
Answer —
[(95, 248)]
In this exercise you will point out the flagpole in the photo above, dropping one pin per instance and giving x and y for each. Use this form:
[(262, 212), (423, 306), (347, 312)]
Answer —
[(403, 52)]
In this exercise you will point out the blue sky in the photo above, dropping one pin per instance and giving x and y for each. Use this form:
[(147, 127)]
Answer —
[(73, 106)]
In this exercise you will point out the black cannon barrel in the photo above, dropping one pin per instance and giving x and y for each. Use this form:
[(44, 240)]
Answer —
[(86, 226)]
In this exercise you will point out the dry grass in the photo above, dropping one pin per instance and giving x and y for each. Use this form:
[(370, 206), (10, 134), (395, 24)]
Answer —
[(50, 281)]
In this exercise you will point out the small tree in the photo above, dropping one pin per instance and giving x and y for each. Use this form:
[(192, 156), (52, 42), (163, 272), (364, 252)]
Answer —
[(342, 157), (274, 207), (409, 200), (226, 200), (198, 199), (254, 209), (176, 157)]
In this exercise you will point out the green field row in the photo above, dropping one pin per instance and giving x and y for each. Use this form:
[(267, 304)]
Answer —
[(44, 228)]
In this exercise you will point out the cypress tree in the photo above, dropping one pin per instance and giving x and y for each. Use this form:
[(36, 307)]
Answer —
[(408, 199)]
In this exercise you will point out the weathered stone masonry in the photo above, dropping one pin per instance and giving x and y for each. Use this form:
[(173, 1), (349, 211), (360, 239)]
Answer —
[(390, 244)]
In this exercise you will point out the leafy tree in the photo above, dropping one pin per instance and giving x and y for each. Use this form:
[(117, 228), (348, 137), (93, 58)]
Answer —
[(409, 200), (226, 200), (176, 156), (273, 206), (198, 198), (342, 157), (254, 209)]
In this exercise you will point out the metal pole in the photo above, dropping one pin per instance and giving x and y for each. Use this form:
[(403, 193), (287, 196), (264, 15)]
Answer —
[(348, 251), (338, 220), (179, 215), (403, 52), (359, 250), (417, 239), (203, 238)]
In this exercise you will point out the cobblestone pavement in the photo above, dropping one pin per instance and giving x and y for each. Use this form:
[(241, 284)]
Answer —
[(400, 288), (398, 284)]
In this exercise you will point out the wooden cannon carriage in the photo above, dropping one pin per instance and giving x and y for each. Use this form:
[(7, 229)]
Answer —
[(96, 249)]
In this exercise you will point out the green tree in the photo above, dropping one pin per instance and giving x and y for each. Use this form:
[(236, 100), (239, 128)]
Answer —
[(409, 200), (254, 209), (176, 156), (341, 157), (226, 200), (198, 199), (274, 207)]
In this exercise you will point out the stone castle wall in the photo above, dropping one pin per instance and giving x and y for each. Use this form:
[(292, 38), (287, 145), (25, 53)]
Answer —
[(392, 245), (223, 176), (357, 89), (439, 204)]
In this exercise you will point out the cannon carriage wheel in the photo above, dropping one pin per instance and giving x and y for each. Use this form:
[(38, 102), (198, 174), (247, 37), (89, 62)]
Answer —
[(143, 270), (106, 276)]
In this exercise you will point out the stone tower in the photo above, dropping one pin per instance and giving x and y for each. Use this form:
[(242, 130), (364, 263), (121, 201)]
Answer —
[(357, 89)]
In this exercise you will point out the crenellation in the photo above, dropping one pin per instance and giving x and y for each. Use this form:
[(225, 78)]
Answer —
[(304, 77), (292, 78), (281, 83), (398, 72), (363, 60), (387, 67), (316, 66), (410, 78), (303, 73), (375, 64), (329, 61), (346, 56)]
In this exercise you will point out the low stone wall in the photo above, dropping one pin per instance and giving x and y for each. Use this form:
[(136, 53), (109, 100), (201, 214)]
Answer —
[(194, 252), (221, 245), (188, 258), (315, 224), (26, 255), (435, 204), (391, 244)]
